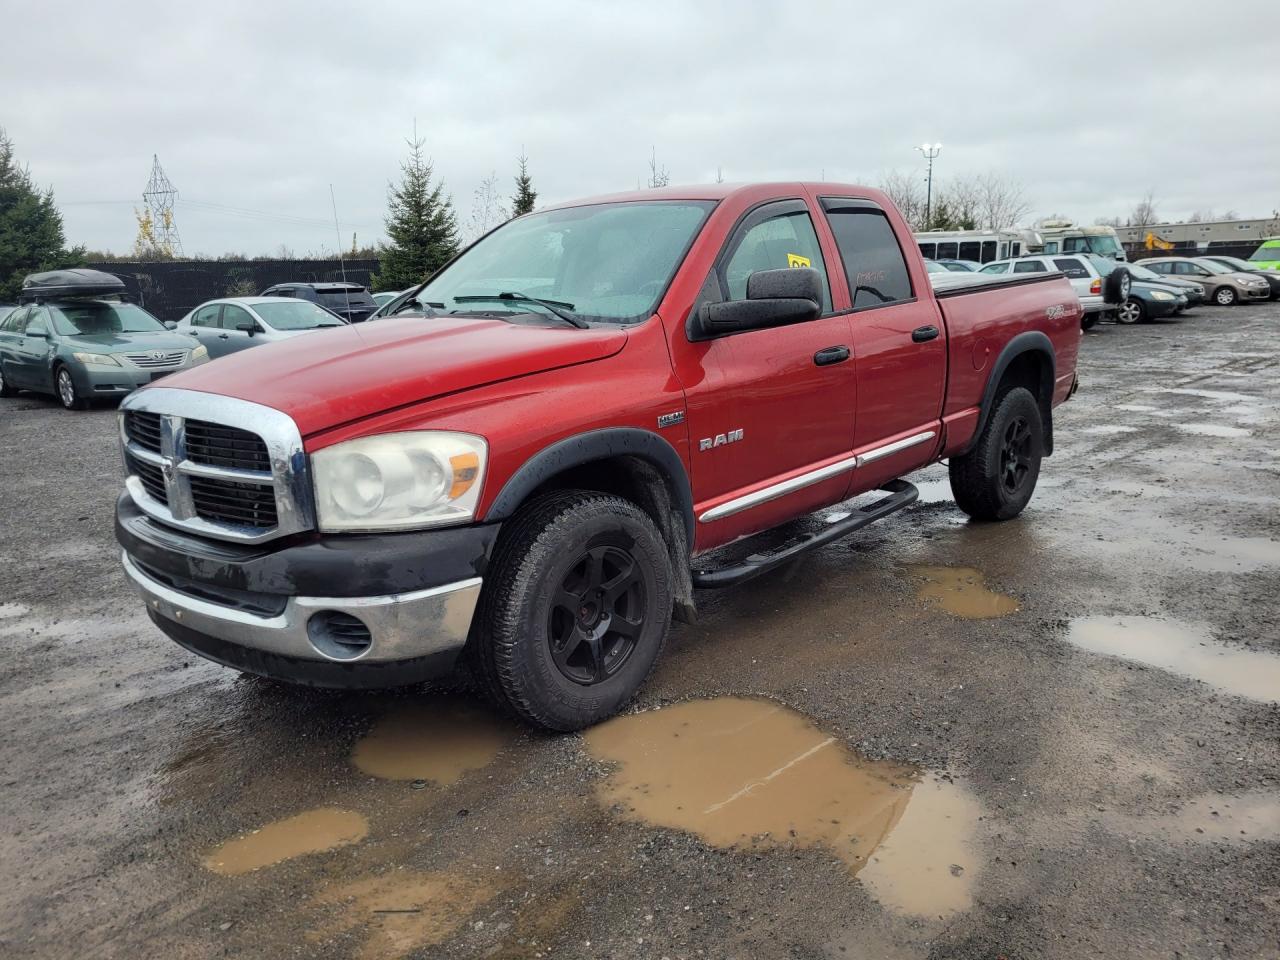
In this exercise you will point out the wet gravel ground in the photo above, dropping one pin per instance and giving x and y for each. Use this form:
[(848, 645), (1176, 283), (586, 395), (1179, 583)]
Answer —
[(1110, 791)]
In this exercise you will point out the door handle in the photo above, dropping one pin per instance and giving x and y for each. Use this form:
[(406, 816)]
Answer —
[(924, 334), (224, 336), (830, 355)]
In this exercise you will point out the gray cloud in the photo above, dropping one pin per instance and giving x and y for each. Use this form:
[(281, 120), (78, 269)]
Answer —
[(263, 106)]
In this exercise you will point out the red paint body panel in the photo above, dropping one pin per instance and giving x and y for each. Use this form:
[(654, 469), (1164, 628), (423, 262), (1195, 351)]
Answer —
[(526, 387)]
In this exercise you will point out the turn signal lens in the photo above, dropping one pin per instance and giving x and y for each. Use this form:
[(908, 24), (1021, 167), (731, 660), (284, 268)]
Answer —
[(466, 468)]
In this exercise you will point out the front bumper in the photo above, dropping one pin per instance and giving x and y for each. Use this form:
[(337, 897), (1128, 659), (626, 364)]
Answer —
[(1256, 293), (100, 381), (1157, 309), (363, 611)]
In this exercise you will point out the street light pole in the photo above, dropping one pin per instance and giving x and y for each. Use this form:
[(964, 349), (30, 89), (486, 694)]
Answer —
[(929, 152)]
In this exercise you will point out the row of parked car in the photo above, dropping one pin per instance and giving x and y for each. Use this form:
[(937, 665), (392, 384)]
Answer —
[(1130, 292), (73, 334)]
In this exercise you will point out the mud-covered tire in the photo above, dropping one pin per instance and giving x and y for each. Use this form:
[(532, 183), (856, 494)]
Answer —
[(996, 478), (534, 656)]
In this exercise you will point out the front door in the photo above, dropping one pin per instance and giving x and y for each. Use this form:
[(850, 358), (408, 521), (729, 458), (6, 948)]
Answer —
[(899, 344), (234, 320), (770, 412), (10, 340), (34, 367)]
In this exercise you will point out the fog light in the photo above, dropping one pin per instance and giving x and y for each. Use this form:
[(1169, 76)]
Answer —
[(339, 636)]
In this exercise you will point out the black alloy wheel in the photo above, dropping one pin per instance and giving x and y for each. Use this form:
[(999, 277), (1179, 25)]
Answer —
[(597, 614), (1015, 455)]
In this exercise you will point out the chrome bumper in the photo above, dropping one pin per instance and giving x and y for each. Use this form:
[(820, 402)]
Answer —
[(402, 626)]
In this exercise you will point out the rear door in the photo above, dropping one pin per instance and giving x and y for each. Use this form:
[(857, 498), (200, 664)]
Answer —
[(205, 328), (899, 345), (770, 412)]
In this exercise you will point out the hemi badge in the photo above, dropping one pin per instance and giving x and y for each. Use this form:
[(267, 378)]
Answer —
[(671, 419)]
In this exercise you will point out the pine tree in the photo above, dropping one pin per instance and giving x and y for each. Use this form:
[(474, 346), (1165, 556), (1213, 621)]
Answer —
[(31, 237), (522, 202), (421, 225)]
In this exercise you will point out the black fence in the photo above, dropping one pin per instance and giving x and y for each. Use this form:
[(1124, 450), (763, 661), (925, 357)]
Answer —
[(170, 289), (1189, 248)]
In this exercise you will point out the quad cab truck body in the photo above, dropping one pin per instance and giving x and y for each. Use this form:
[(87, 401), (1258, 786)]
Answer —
[(527, 466)]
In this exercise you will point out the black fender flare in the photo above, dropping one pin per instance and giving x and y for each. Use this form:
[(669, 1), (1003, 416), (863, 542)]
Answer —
[(584, 448), (1029, 341)]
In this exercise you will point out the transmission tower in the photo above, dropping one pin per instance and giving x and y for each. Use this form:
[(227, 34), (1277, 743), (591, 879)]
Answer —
[(159, 198)]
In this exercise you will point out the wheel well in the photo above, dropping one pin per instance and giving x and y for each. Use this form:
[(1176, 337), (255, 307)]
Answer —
[(1033, 370), (644, 484)]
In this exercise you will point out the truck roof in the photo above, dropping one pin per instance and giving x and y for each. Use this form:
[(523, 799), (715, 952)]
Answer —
[(720, 191)]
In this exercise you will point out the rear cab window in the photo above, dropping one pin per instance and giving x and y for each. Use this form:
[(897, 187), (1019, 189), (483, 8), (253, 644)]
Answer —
[(869, 249)]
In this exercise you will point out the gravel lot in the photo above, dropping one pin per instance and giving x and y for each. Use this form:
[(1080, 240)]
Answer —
[(1057, 737)]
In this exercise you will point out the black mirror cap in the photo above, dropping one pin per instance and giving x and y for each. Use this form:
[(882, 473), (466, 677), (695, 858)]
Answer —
[(717, 319), (788, 283)]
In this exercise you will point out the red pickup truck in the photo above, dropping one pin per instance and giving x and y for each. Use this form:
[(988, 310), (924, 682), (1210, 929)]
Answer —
[(528, 463)]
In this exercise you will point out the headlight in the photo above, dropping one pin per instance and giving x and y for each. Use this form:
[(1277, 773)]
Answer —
[(100, 359), (199, 353), (1198, 289), (1161, 295), (399, 481)]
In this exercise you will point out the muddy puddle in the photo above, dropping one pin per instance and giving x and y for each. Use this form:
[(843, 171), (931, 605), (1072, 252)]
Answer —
[(438, 741), (1183, 649), (12, 609), (311, 832), (398, 913), (961, 592), (752, 774)]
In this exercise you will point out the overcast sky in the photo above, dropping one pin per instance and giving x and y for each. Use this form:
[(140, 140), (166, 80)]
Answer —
[(261, 106)]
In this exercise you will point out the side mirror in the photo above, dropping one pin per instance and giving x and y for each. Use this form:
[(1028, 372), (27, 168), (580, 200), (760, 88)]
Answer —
[(171, 324), (775, 298), (38, 334), (248, 327)]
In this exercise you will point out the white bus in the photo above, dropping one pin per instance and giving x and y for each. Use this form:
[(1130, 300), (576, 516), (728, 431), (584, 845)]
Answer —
[(980, 246)]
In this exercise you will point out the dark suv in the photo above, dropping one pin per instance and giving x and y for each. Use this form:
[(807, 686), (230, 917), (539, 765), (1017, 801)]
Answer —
[(350, 301)]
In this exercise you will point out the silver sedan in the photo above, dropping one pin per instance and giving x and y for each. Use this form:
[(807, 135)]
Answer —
[(236, 323)]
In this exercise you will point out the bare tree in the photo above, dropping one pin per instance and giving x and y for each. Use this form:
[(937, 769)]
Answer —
[(1002, 202), (1144, 214), (962, 196), (658, 176), (1110, 222), (486, 208), (906, 190)]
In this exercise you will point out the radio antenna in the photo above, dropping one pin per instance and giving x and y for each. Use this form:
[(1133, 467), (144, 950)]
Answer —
[(342, 264)]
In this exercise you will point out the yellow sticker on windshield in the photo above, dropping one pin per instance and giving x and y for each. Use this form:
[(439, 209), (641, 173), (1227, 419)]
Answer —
[(795, 260)]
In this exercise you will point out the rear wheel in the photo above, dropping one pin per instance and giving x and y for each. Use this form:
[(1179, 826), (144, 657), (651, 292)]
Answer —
[(66, 388), (1131, 311), (995, 479), (1224, 296), (575, 610), (1088, 321)]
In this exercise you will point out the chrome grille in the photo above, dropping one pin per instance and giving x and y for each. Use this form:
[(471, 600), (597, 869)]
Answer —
[(216, 466), (157, 359)]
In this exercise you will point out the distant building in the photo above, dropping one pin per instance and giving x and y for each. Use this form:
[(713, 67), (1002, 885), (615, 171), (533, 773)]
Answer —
[(1202, 235)]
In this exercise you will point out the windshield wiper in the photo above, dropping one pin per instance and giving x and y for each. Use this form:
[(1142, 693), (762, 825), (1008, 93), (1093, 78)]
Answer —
[(558, 307)]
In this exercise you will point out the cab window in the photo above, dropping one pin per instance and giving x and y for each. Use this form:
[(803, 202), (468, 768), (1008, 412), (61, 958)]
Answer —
[(234, 317), (873, 261), (774, 243), (38, 322)]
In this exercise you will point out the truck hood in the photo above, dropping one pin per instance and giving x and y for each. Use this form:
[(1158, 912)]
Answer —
[(358, 371)]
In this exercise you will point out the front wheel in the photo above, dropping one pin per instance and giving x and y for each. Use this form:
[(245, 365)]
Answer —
[(575, 609), (6, 389), (1224, 297), (1131, 311), (995, 479), (66, 387)]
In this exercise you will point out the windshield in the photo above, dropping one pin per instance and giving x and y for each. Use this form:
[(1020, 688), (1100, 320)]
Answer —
[(1215, 268), (1235, 263), (100, 316), (608, 261), (1266, 253), (295, 315), (1105, 245)]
